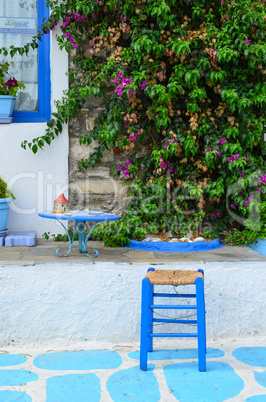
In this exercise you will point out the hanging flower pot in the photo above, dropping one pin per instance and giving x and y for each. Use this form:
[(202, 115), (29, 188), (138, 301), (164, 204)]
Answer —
[(8, 91)]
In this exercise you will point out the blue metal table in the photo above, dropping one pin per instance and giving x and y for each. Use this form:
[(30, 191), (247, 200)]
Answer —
[(80, 218)]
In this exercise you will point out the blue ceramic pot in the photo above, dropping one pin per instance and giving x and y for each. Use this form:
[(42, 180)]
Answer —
[(4, 212), (260, 247), (6, 105)]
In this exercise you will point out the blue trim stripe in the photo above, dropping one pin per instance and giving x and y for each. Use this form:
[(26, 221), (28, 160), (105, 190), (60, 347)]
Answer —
[(44, 80)]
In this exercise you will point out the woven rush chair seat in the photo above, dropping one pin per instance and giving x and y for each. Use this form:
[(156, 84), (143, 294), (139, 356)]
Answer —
[(175, 278)]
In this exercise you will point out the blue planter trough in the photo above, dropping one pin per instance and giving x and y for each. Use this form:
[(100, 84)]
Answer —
[(6, 107), (260, 247), (4, 212), (165, 246)]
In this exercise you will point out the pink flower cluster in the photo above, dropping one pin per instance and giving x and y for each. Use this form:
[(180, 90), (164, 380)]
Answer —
[(120, 79), (124, 169), (11, 83), (262, 179), (215, 214), (54, 25), (133, 136), (167, 142), (233, 158), (217, 152), (143, 85), (71, 40)]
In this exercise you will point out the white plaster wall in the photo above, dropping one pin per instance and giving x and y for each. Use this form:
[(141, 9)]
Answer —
[(60, 304), (36, 180)]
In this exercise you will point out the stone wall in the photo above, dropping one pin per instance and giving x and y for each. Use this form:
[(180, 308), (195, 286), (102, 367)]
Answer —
[(92, 188)]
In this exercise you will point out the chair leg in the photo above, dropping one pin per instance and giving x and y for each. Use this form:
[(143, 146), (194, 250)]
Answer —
[(150, 319), (144, 324), (201, 324), (201, 270)]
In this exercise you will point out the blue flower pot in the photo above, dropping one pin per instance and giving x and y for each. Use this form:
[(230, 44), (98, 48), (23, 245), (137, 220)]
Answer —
[(260, 247), (6, 105), (4, 212)]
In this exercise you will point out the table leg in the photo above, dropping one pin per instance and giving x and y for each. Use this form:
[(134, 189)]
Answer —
[(95, 252), (59, 251)]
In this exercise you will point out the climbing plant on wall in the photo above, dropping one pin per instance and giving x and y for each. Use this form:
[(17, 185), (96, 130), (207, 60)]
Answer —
[(187, 109)]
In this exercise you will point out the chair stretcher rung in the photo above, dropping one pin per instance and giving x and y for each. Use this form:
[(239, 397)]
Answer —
[(174, 321), (173, 295), (180, 307), (173, 335)]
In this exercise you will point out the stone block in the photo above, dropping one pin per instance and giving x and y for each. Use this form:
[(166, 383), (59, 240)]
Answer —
[(17, 239)]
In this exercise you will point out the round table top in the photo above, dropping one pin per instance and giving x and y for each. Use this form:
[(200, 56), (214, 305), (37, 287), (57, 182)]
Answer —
[(94, 216)]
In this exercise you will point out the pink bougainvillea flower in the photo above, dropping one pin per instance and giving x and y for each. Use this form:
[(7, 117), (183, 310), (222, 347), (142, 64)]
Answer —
[(125, 172), (230, 159), (218, 214), (263, 179), (213, 214), (133, 136), (245, 204), (72, 40), (142, 167), (128, 162), (175, 172), (236, 157), (69, 12), (116, 80), (67, 35), (247, 41), (250, 198), (222, 141), (119, 168), (75, 46), (143, 85), (170, 169), (242, 175), (245, 159), (118, 90), (233, 206)]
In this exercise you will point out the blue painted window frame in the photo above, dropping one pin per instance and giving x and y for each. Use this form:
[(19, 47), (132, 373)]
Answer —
[(44, 80)]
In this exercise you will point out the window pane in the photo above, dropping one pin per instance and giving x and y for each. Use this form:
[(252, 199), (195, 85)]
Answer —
[(15, 17)]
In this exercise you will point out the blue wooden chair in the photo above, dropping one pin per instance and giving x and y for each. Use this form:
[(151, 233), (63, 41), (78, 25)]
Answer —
[(174, 278)]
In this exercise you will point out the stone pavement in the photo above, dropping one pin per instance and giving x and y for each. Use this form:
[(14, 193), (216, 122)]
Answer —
[(236, 372), (45, 251)]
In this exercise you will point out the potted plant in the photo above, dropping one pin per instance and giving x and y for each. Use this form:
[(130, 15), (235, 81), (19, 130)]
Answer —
[(5, 198), (8, 90)]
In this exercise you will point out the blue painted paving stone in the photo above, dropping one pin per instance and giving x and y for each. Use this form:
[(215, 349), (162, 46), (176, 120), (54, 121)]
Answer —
[(253, 356), (81, 360), (14, 396), (256, 398), (134, 385), (180, 354), (218, 383), (73, 387), (16, 377), (261, 378), (11, 360)]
